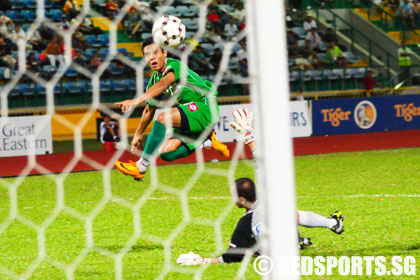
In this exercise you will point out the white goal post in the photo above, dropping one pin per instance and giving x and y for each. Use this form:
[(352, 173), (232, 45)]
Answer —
[(270, 96)]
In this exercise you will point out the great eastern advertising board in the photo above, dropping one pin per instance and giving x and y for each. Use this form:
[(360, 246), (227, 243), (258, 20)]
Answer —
[(21, 136), (358, 115)]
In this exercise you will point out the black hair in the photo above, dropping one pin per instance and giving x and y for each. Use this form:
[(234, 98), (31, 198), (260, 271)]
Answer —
[(245, 187), (146, 42)]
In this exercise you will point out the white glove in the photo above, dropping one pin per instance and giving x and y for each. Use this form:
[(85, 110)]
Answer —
[(191, 259), (243, 124)]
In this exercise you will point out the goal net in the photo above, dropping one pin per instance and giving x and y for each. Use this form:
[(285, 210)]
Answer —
[(66, 212)]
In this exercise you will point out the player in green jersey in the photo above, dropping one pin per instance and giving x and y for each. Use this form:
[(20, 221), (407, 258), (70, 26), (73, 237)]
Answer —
[(196, 114)]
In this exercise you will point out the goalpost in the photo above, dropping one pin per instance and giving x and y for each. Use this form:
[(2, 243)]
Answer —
[(268, 79), (270, 95)]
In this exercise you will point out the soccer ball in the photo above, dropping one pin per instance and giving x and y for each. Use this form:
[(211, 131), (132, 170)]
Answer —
[(168, 32)]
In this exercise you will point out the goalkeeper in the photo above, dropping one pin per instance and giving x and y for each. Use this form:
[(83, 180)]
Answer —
[(196, 114), (247, 231)]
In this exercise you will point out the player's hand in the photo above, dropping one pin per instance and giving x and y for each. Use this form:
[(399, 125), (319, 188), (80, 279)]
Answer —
[(243, 124), (191, 259), (136, 144), (127, 105)]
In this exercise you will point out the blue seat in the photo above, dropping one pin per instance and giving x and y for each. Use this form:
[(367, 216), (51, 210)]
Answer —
[(190, 24), (39, 89), (115, 70), (25, 89), (70, 87), (351, 57), (91, 39), (122, 50), (182, 10), (29, 15), (104, 39), (82, 85), (71, 73), (195, 10), (105, 86), (129, 83), (299, 31), (118, 86), (30, 4), (58, 89), (17, 5), (209, 48), (104, 52)]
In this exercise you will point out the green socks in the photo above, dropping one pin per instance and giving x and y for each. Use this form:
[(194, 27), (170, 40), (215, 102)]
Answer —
[(154, 140), (181, 152)]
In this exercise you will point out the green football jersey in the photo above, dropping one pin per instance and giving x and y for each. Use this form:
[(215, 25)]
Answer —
[(188, 86)]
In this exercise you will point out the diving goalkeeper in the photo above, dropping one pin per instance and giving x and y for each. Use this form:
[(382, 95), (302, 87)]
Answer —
[(196, 114), (248, 229)]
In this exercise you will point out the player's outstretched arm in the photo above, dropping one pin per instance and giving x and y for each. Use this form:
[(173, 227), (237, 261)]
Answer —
[(154, 91)]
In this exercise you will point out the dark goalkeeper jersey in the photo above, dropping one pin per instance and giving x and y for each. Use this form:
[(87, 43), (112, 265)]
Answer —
[(244, 236)]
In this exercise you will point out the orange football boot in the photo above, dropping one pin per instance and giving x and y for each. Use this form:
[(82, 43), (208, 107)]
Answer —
[(218, 146), (129, 168)]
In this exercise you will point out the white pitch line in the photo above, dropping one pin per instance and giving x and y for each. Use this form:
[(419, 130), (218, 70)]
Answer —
[(342, 196)]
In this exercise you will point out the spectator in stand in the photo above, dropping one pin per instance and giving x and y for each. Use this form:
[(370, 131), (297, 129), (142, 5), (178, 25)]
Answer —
[(404, 58), (239, 13), (71, 9), (242, 53), (193, 42), (242, 25), (394, 4), (309, 23), (32, 63), (231, 29), (199, 62), (79, 41), (214, 19), (291, 37), (311, 56), (416, 12), (215, 59), (111, 8), (6, 58), (315, 40), (36, 41), (87, 27), (405, 12), (5, 22), (299, 95), (53, 52), (79, 60), (369, 82), (64, 24), (95, 62), (109, 132), (329, 36), (334, 56), (46, 33), (294, 52)]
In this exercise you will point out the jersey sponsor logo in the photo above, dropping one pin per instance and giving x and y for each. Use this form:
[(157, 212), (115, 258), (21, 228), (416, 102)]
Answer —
[(407, 111), (365, 114), (193, 107), (335, 116)]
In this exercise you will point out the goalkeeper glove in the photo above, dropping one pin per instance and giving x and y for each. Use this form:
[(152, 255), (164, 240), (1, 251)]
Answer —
[(191, 259), (243, 124)]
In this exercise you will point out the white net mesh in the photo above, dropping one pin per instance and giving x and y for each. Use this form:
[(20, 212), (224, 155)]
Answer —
[(102, 225)]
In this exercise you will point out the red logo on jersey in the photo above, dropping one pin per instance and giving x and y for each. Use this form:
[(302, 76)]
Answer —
[(193, 107)]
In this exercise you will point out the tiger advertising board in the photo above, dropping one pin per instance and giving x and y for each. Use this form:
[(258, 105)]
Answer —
[(359, 115)]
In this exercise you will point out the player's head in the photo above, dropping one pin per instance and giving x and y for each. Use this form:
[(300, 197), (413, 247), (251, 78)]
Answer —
[(155, 56), (245, 191)]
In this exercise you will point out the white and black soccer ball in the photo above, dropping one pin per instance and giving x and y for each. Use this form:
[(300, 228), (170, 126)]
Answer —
[(168, 32)]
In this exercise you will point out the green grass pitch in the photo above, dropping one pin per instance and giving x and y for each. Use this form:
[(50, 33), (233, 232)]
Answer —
[(378, 192)]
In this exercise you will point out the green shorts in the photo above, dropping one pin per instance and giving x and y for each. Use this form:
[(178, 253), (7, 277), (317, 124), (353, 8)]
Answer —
[(201, 115)]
